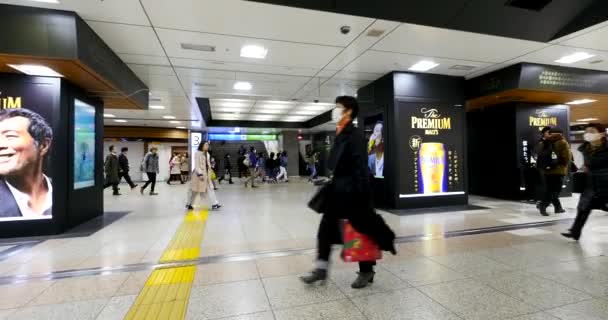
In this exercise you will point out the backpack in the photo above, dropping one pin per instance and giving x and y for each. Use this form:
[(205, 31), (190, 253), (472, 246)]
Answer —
[(247, 161), (547, 158)]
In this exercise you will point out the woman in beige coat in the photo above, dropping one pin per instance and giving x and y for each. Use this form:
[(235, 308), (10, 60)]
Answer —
[(201, 178)]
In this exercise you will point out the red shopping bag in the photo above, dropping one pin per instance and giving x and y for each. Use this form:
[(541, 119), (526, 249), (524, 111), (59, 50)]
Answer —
[(358, 247)]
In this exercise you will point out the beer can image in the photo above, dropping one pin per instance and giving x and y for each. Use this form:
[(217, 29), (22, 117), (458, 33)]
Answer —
[(432, 165)]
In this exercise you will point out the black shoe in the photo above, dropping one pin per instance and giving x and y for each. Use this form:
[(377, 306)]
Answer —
[(363, 280), (315, 276), (230, 182), (116, 194), (134, 186), (542, 209), (215, 207), (571, 235), (189, 207), (153, 193), (559, 210)]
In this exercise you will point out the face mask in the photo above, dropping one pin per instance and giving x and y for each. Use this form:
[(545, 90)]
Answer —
[(592, 137), (336, 114)]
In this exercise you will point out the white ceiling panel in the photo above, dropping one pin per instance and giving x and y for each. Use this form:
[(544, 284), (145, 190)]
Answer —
[(227, 48), (244, 67), (147, 70), (128, 38), (120, 11), (255, 20), (362, 43), (204, 73), (362, 76), (550, 54), (597, 39), (383, 62), (144, 59), (459, 45)]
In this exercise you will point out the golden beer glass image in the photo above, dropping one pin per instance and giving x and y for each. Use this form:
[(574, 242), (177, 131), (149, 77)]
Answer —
[(431, 157)]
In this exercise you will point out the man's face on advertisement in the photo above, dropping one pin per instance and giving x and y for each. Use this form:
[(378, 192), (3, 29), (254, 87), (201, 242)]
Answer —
[(18, 149)]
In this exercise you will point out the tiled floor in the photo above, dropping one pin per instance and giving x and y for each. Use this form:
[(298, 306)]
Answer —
[(523, 274)]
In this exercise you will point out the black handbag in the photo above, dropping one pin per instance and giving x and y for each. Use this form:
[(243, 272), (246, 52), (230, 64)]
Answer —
[(579, 182), (320, 202)]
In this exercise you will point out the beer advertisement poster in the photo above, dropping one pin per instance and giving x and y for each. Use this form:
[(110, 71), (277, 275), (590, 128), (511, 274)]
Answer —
[(433, 149), (26, 146)]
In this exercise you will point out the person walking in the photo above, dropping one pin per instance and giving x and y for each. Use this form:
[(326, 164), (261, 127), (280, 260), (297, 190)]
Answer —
[(595, 195), (175, 169), (149, 165), (227, 170), (213, 170), (123, 168), (184, 167), (111, 169), (312, 166), (348, 196), (201, 180), (553, 161), (283, 160), (251, 162)]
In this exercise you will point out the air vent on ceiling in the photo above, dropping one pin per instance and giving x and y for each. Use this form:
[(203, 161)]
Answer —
[(534, 5), (462, 67), (198, 47), (205, 85), (375, 33)]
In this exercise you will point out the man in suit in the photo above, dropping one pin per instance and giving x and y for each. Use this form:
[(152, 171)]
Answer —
[(25, 140), (124, 168)]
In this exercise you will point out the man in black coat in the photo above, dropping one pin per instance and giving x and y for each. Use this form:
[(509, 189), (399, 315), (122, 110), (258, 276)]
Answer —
[(123, 167), (349, 197)]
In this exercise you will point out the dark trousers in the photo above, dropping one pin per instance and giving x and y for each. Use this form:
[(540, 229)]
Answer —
[(330, 234), (127, 178), (226, 172), (552, 188), (151, 180), (579, 221), (113, 184)]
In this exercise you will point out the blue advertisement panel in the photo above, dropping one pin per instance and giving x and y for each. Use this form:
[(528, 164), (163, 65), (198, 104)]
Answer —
[(84, 145)]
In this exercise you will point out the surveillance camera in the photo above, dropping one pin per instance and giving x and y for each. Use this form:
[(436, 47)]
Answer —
[(316, 100), (345, 29)]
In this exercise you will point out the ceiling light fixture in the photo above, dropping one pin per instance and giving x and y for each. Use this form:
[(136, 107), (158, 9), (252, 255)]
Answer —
[(254, 52), (157, 107), (120, 121), (575, 57), (581, 101), (587, 120), (47, 1), (176, 122), (181, 127), (168, 117), (108, 115), (244, 86), (424, 65), (198, 47), (35, 70)]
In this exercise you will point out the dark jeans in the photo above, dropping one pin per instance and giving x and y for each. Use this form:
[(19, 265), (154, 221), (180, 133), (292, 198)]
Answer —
[(151, 180), (226, 172), (330, 234), (552, 188), (127, 178), (113, 184)]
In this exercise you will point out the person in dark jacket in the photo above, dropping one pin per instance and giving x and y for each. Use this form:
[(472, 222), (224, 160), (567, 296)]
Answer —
[(553, 161), (595, 196), (123, 168), (111, 169), (349, 197), (227, 170)]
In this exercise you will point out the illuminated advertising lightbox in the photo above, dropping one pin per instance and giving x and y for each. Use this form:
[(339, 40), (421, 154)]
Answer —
[(26, 146), (432, 150), (84, 145)]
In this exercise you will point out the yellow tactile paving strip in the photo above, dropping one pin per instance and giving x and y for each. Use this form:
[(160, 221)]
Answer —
[(166, 293)]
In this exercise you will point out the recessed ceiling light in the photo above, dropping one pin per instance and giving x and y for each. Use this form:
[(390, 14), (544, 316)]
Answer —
[(120, 120), (168, 117), (576, 57), (254, 52), (587, 120), (581, 101), (46, 1), (157, 107), (176, 122), (424, 65), (181, 127), (108, 115), (35, 70), (245, 86)]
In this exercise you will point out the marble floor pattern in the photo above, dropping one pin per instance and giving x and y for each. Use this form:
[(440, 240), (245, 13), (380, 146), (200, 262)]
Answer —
[(523, 274)]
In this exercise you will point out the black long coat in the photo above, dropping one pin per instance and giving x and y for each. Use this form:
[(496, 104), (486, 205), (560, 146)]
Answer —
[(349, 193), (595, 195)]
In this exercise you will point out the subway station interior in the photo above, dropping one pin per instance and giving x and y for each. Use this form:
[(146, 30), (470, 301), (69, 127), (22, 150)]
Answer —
[(199, 159)]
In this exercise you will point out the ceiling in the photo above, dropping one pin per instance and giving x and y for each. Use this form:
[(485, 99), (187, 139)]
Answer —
[(308, 57)]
